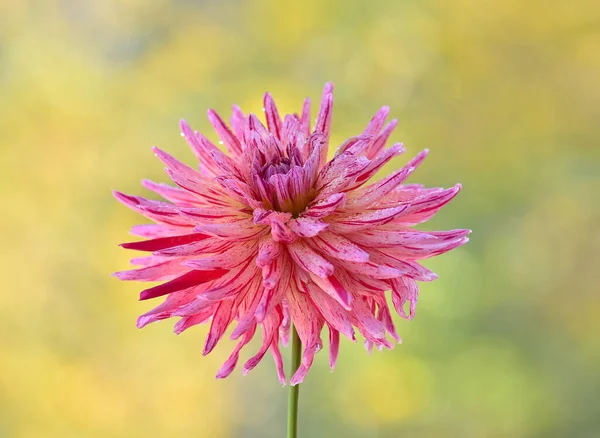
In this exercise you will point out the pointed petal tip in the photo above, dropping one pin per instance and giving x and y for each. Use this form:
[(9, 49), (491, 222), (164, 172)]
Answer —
[(122, 197), (121, 275)]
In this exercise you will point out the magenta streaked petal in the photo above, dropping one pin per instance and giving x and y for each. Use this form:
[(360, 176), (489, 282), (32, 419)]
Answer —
[(209, 245), (232, 361), (309, 260), (377, 121), (160, 212), (375, 165), (379, 143), (277, 358), (272, 115), (190, 321), (366, 322), (332, 287), (370, 195), (231, 141), (240, 230), (268, 250), (308, 324), (270, 328), (381, 238), (336, 246), (221, 319), (238, 121), (331, 310), (363, 221), (305, 118), (161, 270), (325, 207), (173, 194), (307, 227)]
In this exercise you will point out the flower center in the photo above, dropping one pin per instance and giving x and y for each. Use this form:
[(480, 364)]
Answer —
[(285, 193), (280, 167)]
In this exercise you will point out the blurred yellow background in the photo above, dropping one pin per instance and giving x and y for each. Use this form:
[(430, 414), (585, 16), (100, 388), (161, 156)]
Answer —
[(505, 93)]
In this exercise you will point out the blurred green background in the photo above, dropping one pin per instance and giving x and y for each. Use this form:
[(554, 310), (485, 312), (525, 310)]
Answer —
[(505, 93)]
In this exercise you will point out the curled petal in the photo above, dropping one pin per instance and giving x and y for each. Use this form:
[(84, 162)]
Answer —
[(307, 227), (404, 289)]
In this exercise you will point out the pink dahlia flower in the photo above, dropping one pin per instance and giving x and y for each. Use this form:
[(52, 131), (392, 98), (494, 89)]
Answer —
[(273, 234)]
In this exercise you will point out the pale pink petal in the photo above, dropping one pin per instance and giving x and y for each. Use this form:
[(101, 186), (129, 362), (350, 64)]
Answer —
[(305, 118), (363, 221), (173, 194), (163, 270), (309, 260), (155, 231), (307, 227), (336, 246), (325, 207)]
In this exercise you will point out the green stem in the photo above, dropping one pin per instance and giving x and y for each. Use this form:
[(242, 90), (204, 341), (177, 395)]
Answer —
[(292, 418)]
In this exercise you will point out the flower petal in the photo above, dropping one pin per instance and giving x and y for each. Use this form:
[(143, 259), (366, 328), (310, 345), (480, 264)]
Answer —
[(231, 141), (334, 245), (307, 227), (184, 281), (309, 260)]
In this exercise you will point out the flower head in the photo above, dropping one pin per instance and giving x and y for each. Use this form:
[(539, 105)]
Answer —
[(272, 234)]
